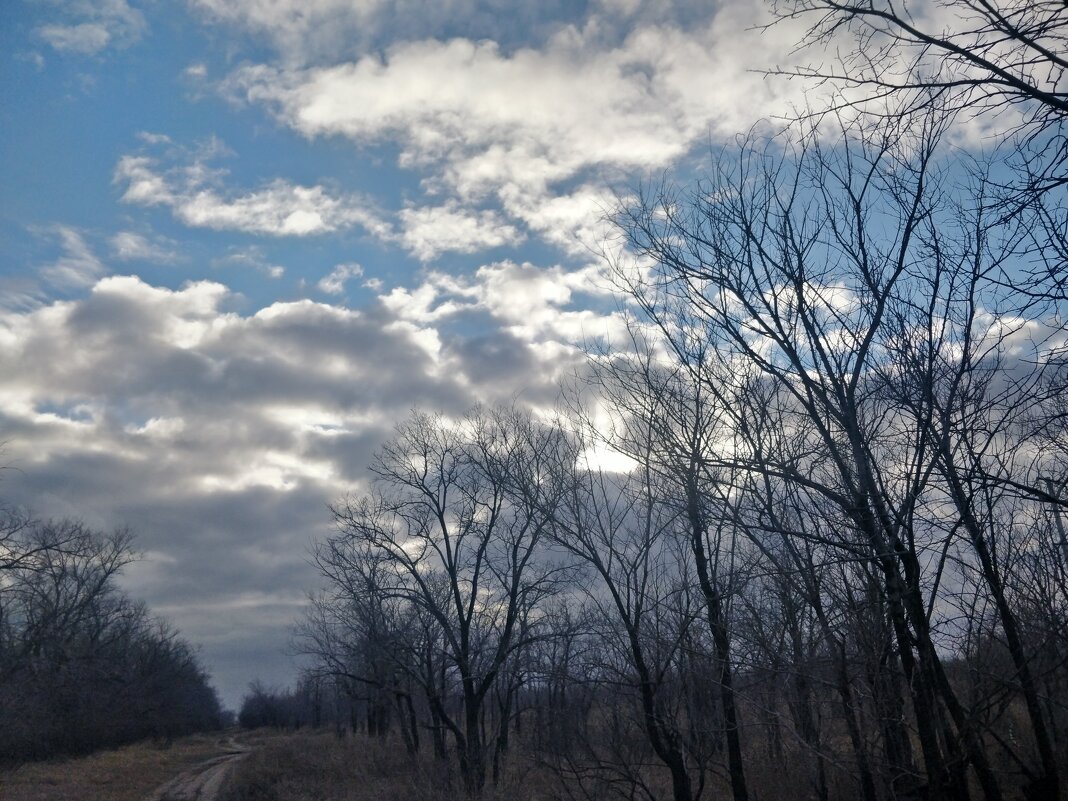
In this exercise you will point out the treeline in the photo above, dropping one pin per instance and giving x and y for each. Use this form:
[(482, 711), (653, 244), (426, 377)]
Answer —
[(649, 632), (323, 698), (83, 666), (313, 703)]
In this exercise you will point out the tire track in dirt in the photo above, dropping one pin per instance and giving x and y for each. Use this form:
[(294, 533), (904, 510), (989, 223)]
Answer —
[(204, 781)]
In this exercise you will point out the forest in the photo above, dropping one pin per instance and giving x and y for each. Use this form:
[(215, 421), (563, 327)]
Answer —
[(82, 665)]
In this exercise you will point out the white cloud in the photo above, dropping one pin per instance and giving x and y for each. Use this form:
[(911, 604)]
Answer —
[(132, 246), (78, 266), (253, 257), (194, 190), (144, 186), (279, 209), (297, 27), (430, 231), (439, 296), (536, 304), (533, 116), (576, 222), (322, 31), (93, 25), (624, 8), (334, 283), (194, 193), (20, 294), (542, 131), (32, 57), (153, 138), (85, 38), (532, 303)]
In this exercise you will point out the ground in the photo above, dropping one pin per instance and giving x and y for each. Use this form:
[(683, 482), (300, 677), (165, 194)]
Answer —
[(133, 773)]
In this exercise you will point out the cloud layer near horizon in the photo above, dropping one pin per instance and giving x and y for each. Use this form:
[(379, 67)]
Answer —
[(220, 438)]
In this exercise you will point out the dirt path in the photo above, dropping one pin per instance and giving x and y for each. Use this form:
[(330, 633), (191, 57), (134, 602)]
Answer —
[(204, 781)]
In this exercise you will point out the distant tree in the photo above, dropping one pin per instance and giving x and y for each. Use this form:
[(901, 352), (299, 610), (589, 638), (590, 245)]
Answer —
[(265, 707), (81, 665)]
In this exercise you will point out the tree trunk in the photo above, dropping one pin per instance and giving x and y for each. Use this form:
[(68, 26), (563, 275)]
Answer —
[(720, 637)]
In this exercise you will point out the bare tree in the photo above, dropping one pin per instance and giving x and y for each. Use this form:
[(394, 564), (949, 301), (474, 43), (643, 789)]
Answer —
[(990, 57), (626, 528), (661, 416), (997, 65), (795, 263), (453, 545)]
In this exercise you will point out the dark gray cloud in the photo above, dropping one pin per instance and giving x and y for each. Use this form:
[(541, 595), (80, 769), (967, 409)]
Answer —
[(220, 439)]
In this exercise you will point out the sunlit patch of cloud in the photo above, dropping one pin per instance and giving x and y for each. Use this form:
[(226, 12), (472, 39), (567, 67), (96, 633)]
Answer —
[(531, 140), (533, 303)]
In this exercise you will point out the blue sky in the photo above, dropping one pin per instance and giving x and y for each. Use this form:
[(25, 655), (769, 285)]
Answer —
[(239, 240)]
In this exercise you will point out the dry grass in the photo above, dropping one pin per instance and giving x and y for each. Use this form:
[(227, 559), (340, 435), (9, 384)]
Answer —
[(307, 766), (317, 766), (124, 774)]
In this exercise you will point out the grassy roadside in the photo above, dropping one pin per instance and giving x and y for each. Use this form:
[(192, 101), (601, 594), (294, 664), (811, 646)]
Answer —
[(307, 766), (124, 774)]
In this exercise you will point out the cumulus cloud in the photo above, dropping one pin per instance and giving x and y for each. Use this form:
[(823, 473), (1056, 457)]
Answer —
[(576, 221), (533, 116), (195, 193), (304, 31), (280, 209), (219, 438), (299, 28), (90, 26), (535, 304)]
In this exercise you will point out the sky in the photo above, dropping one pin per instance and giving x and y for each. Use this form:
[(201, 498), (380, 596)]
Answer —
[(241, 239)]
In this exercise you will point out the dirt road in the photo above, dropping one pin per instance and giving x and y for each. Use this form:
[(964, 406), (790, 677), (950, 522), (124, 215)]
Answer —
[(204, 781)]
